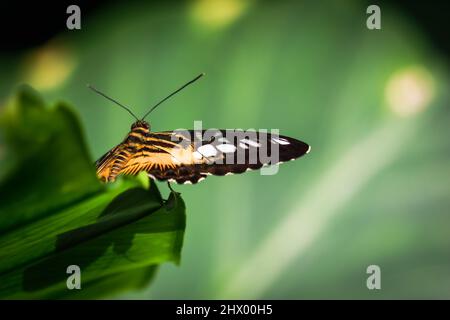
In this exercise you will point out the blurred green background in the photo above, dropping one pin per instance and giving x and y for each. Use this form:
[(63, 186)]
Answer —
[(374, 106)]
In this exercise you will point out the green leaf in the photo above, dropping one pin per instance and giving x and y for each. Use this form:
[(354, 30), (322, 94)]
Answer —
[(55, 213)]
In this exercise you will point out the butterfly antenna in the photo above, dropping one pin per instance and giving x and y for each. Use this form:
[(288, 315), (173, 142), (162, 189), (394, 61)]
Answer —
[(111, 99), (172, 94)]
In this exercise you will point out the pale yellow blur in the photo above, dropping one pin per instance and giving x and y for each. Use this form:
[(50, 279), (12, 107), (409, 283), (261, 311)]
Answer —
[(218, 13), (410, 91), (48, 67)]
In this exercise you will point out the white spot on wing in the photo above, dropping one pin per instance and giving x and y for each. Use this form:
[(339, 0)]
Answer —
[(226, 148), (207, 150), (309, 149), (197, 155), (281, 141), (187, 182), (229, 173), (222, 139), (243, 145), (251, 142)]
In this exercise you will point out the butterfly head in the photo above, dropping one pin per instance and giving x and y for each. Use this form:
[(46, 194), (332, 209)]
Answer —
[(140, 124)]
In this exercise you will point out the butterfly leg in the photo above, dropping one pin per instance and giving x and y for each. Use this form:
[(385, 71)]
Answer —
[(171, 200), (170, 187)]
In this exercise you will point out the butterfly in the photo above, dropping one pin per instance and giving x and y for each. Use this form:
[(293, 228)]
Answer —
[(189, 156)]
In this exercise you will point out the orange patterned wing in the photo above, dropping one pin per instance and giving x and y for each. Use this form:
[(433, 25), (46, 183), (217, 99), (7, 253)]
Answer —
[(110, 164), (165, 156)]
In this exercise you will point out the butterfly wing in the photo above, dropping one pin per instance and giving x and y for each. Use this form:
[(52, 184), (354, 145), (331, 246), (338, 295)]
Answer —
[(190, 156), (111, 163)]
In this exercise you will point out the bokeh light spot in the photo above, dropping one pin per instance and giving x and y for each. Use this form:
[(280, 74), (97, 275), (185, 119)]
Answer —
[(218, 13), (409, 91), (48, 67)]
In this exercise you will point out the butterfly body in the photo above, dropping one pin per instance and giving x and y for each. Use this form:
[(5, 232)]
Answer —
[(188, 157)]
